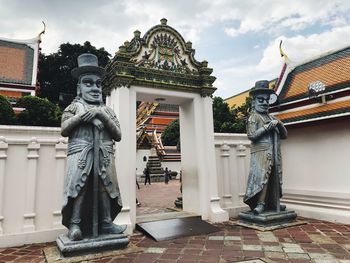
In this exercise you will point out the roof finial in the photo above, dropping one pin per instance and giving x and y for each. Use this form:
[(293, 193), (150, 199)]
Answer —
[(42, 32), (163, 21), (284, 55)]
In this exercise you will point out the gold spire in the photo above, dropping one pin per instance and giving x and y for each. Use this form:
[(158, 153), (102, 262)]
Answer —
[(42, 32), (284, 55)]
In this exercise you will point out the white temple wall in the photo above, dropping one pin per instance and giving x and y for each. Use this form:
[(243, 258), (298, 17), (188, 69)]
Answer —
[(32, 165), (140, 163), (316, 160)]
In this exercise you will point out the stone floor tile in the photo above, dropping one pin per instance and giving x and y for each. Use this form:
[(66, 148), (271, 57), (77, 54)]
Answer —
[(252, 247), (170, 256), (216, 238), (320, 256), (290, 245), (253, 254), (267, 237), (272, 248), (298, 256), (190, 257), (273, 254), (186, 261), (326, 261), (155, 250), (232, 238), (192, 251), (321, 239), (293, 250), (251, 242)]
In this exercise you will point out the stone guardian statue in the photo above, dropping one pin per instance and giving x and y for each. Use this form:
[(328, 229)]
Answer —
[(91, 198), (265, 131)]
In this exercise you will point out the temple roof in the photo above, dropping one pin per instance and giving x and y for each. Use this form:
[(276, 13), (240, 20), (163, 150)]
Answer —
[(332, 70), (18, 61)]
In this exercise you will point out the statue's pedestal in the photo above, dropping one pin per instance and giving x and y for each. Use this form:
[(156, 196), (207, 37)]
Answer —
[(268, 220), (91, 245)]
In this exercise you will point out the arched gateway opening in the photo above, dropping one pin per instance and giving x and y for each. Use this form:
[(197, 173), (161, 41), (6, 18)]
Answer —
[(162, 65)]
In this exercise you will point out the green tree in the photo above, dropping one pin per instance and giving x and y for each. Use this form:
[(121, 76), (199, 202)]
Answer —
[(38, 112), (171, 134), (56, 82), (222, 115), (7, 115)]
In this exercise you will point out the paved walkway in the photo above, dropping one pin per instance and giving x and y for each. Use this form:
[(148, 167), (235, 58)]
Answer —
[(157, 197), (317, 242)]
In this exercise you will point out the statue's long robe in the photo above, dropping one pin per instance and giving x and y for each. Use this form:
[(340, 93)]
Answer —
[(263, 160), (79, 169)]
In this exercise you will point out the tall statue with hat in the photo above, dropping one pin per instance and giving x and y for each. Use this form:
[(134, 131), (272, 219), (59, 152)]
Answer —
[(264, 131), (91, 198)]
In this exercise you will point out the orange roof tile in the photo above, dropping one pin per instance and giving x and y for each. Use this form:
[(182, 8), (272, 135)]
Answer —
[(330, 74), (322, 110), (11, 93), (12, 63), (332, 69), (161, 121)]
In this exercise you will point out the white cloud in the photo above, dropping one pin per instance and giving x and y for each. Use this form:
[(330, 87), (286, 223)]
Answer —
[(242, 76), (274, 16)]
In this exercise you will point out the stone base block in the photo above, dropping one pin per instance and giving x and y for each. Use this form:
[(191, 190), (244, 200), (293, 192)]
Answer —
[(70, 248), (269, 219)]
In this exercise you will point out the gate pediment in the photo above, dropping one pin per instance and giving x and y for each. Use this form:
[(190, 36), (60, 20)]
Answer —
[(159, 59)]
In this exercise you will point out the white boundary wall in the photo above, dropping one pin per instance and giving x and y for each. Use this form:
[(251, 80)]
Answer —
[(32, 164)]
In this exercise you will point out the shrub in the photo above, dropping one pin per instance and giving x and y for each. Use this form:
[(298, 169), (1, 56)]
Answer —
[(7, 115), (38, 112), (171, 134)]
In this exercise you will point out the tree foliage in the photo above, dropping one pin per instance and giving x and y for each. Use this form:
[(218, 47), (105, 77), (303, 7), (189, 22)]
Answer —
[(7, 115), (171, 134), (56, 82), (38, 112), (229, 120)]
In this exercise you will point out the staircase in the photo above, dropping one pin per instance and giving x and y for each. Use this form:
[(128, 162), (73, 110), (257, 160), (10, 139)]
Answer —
[(156, 170), (171, 154)]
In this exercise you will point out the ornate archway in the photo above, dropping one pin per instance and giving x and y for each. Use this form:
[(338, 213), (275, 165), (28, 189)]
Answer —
[(161, 66)]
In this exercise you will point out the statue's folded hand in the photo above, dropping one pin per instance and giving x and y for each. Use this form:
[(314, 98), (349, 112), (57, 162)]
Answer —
[(89, 114), (97, 123)]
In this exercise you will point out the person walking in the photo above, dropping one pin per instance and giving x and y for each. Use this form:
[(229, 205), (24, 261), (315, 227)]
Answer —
[(166, 175), (146, 172)]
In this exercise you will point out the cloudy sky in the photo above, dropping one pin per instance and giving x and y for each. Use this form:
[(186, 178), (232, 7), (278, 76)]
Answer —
[(239, 39)]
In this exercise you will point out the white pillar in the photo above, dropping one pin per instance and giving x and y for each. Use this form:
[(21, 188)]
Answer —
[(216, 213), (225, 158), (200, 189), (61, 148), (242, 173), (3, 157), (190, 180), (123, 102), (29, 212)]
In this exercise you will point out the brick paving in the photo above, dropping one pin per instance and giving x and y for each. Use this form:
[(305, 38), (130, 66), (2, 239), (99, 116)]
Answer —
[(157, 197), (317, 242)]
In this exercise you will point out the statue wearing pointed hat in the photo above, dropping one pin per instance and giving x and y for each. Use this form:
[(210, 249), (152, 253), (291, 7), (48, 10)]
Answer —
[(91, 198), (265, 131)]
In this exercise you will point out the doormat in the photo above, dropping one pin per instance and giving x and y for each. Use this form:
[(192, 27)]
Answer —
[(175, 228)]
